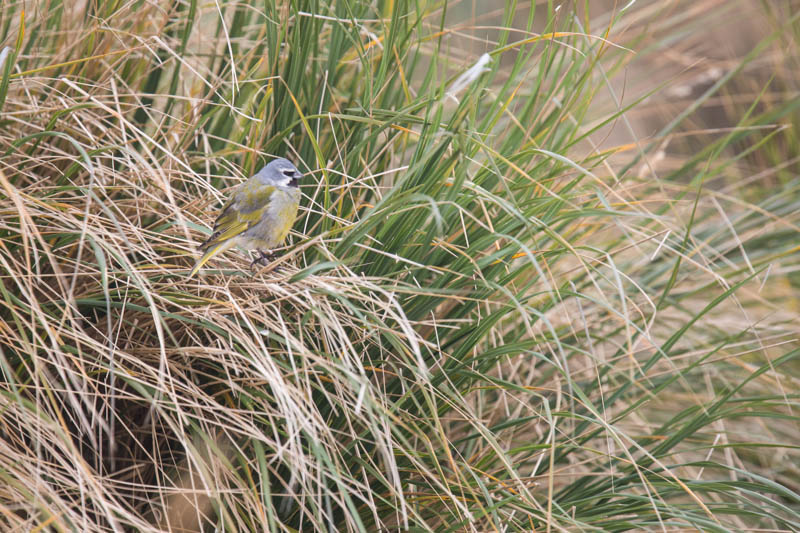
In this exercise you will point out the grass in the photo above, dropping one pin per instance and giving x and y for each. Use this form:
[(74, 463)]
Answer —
[(503, 307)]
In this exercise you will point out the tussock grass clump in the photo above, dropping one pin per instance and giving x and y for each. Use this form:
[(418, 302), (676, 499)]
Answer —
[(491, 316)]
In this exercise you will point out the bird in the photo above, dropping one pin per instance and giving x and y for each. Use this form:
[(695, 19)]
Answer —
[(258, 215)]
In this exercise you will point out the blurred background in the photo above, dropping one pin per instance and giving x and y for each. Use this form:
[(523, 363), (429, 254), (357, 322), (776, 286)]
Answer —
[(677, 51)]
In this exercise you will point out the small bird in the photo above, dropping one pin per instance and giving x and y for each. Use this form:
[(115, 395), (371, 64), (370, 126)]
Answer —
[(258, 215)]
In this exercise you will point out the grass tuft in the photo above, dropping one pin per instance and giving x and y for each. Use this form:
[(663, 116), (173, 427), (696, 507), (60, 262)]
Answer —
[(543, 279)]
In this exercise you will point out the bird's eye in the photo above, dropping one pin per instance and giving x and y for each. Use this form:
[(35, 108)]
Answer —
[(288, 172)]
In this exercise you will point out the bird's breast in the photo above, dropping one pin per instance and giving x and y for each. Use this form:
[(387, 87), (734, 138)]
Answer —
[(277, 221)]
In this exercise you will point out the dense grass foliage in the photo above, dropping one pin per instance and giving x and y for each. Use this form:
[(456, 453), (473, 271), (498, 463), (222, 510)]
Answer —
[(496, 311)]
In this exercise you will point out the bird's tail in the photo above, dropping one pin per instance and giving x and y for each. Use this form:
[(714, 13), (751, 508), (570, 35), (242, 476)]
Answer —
[(210, 252)]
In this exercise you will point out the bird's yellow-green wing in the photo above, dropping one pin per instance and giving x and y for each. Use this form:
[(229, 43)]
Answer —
[(245, 208)]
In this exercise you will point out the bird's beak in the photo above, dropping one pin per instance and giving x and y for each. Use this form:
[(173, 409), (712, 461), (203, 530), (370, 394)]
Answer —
[(296, 180)]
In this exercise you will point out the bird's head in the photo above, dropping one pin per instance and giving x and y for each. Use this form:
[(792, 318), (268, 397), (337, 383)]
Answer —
[(280, 173)]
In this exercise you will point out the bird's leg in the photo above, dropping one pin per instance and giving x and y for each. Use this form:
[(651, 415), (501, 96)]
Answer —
[(267, 257), (259, 259), (263, 258)]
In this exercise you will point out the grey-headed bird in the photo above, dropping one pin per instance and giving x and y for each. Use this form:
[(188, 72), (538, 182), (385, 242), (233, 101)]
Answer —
[(258, 215)]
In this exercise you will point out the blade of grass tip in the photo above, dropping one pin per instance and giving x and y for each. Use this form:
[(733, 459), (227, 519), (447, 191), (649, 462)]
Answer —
[(21, 33), (679, 258), (6, 65)]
